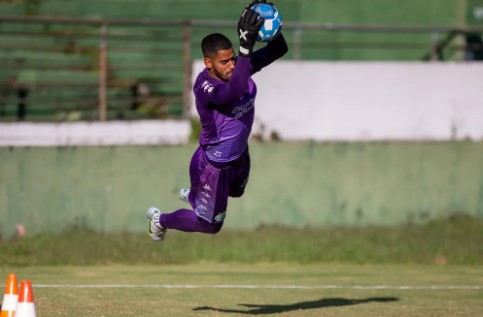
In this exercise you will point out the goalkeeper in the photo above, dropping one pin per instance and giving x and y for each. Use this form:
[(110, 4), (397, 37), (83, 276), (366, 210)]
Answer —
[(225, 100)]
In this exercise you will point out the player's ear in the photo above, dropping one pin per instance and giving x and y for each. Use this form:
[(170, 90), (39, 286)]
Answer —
[(208, 63)]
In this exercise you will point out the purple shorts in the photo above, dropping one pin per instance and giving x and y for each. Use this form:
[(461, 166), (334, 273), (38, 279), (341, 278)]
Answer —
[(212, 183)]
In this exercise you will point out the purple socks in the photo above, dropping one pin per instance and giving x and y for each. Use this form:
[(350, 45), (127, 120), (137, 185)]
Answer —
[(186, 220)]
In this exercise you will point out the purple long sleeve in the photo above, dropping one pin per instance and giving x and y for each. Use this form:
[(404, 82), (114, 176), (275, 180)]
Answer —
[(236, 87), (226, 112), (227, 108), (269, 53)]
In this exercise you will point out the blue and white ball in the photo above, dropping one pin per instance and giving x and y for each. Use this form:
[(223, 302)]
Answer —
[(273, 22)]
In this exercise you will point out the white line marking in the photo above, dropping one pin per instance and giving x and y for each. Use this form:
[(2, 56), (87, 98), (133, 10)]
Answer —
[(188, 286)]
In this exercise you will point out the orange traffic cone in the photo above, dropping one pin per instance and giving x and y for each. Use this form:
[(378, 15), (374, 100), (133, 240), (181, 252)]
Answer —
[(10, 298), (25, 305)]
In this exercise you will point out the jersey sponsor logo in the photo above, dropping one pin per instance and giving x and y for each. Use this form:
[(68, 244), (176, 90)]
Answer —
[(239, 111), (206, 86)]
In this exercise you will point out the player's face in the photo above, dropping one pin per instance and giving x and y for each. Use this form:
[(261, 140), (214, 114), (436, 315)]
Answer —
[(222, 64)]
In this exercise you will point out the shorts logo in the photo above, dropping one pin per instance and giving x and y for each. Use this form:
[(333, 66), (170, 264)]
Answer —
[(220, 217), (206, 194), (207, 187)]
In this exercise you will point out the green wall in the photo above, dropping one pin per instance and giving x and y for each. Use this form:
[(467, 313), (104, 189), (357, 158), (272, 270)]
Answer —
[(295, 184)]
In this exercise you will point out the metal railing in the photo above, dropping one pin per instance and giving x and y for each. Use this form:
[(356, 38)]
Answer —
[(104, 69)]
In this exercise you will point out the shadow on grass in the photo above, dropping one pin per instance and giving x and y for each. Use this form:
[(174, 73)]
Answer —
[(260, 309)]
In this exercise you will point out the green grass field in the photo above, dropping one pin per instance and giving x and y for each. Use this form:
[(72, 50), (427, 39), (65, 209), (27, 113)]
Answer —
[(454, 241), (277, 289), (428, 270)]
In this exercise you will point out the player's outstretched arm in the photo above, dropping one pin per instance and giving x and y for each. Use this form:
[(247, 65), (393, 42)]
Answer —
[(247, 29), (274, 49), (266, 55)]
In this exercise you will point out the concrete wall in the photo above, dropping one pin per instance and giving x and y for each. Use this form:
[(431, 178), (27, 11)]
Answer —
[(369, 101), (295, 184), (140, 132), (315, 101)]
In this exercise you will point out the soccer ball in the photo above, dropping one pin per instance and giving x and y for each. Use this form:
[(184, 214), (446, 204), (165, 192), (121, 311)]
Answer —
[(273, 22)]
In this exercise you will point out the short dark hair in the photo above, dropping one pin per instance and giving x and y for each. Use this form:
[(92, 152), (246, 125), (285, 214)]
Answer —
[(213, 43)]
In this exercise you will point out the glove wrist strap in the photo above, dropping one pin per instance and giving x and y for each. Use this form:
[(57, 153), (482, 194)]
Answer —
[(245, 51)]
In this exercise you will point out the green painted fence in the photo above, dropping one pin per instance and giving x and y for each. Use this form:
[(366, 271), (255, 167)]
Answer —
[(294, 184)]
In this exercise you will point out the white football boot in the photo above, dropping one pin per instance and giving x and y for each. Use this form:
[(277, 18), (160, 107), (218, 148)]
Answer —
[(155, 231), (183, 195)]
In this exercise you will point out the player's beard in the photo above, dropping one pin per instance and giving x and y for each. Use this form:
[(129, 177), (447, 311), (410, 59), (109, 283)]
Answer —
[(224, 77)]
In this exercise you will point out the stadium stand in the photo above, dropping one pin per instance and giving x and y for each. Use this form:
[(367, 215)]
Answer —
[(59, 64)]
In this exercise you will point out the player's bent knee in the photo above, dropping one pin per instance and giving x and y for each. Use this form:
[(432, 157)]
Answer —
[(211, 227), (237, 194), (214, 228)]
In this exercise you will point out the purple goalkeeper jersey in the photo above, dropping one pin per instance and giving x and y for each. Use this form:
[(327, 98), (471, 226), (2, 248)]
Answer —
[(225, 127), (227, 109)]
